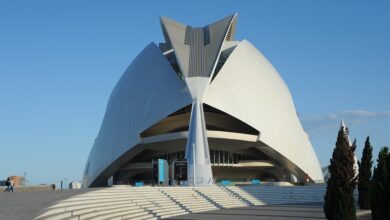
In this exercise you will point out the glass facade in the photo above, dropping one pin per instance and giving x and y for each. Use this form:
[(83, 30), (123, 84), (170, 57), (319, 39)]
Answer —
[(217, 157)]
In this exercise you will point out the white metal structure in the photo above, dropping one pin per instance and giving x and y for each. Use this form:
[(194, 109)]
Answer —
[(218, 100)]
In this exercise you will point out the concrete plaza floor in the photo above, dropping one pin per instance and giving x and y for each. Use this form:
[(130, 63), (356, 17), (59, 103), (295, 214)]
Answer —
[(268, 212), (27, 205)]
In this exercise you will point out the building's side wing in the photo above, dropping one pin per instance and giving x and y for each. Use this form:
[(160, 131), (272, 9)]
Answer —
[(249, 88), (148, 91)]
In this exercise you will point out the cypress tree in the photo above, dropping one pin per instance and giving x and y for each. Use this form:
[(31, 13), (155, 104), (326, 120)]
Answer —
[(339, 202), (365, 166), (380, 193)]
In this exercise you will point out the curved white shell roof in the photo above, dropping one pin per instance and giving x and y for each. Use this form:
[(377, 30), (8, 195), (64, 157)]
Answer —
[(250, 89), (247, 88), (148, 91)]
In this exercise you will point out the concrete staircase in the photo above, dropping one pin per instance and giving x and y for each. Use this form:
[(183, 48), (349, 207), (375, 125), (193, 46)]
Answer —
[(158, 203), (260, 195), (220, 197), (141, 203), (189, 199), (108, 203)]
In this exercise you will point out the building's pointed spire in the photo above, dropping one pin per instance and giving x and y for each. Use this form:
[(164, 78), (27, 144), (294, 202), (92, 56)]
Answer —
[(342, 124), (174, 34), (346, 132), (352, 145)]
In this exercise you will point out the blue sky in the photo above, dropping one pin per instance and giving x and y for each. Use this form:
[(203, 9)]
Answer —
[(59, 61)]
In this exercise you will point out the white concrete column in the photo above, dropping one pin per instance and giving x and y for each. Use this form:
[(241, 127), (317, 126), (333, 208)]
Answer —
[(197, 149)]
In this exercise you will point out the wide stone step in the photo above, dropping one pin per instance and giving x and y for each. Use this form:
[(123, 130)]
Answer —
[(56, 216), (90, 201), (82, 211), (109, 210), (117, 214), (203, 209), (139, 215)]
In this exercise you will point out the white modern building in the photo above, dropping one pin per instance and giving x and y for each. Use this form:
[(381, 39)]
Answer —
[(207, 98)]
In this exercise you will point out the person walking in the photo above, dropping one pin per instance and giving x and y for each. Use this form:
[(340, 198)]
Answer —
[(7, 183), (10, 185)]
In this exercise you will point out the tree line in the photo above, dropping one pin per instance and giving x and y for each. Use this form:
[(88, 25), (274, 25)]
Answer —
[(373, 187)]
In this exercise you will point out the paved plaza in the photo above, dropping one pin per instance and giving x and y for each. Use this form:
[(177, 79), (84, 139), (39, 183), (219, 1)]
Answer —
[(27, 205), (268, 212)]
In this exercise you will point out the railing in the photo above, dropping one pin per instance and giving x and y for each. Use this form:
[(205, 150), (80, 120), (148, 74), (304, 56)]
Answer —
[(191, 182), (200, 181), (133, 182)]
